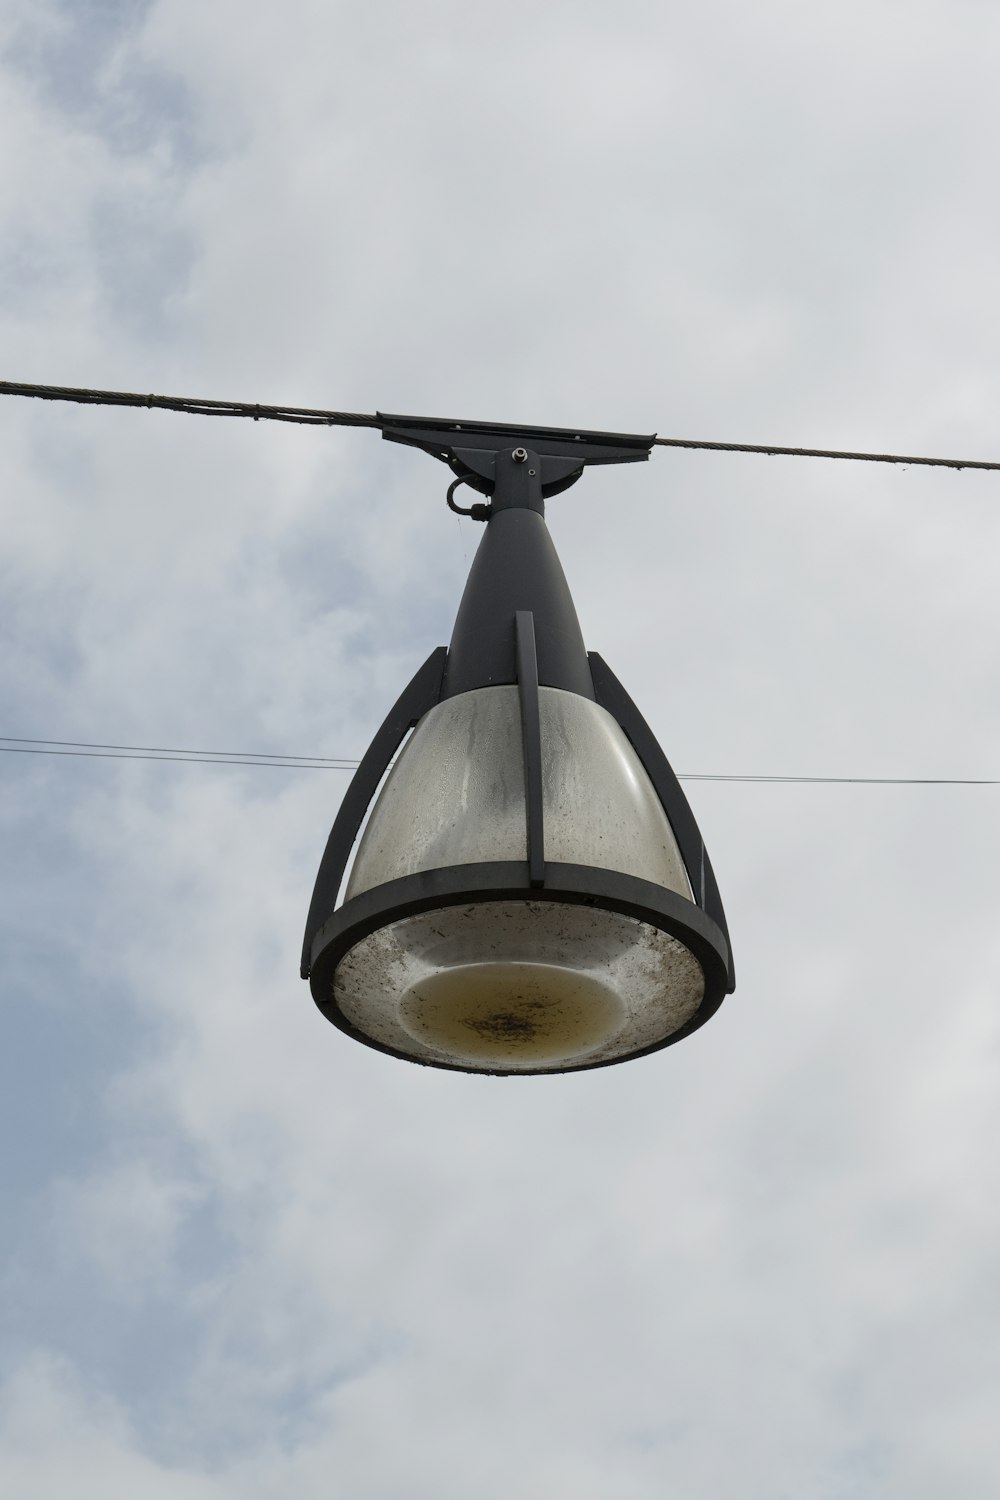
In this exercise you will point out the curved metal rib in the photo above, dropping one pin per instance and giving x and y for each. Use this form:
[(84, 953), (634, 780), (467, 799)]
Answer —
[(421, 693), (613, 697)]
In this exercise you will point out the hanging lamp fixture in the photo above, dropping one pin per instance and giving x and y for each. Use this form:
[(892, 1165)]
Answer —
[(530, 893)]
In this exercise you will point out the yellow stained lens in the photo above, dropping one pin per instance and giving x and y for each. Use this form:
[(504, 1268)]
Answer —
[(512, 1012)]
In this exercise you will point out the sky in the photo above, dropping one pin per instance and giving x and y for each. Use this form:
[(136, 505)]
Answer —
[(242, 1257)]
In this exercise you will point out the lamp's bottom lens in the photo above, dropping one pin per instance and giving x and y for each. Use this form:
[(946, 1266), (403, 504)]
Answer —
[(521, 1013), (518, 986)]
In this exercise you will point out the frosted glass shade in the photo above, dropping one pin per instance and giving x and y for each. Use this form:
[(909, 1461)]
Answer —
[(544, 983), (518, 986), (456, 794)]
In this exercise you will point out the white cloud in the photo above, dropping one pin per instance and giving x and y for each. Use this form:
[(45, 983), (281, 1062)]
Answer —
[(60, 1436), (273, 1262)]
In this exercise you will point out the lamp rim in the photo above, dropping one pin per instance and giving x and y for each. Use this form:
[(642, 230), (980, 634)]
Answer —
[(509, 880)]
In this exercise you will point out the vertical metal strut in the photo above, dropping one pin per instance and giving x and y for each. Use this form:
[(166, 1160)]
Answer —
[(531, 731)]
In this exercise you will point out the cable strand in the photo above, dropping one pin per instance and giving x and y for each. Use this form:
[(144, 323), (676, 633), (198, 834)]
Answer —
[(320, 417), (193, 405), (14, 745), (869, 458), (339, 761)]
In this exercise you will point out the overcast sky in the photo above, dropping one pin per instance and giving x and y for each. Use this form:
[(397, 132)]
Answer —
[(243, 1257)]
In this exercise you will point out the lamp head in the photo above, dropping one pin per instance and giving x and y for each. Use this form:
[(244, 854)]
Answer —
[(530, 892)]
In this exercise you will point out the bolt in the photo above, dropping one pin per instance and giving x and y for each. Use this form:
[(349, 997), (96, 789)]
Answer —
[(519, 455)]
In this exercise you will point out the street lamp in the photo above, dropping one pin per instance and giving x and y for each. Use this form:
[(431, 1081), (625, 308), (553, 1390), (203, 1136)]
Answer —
[(530, 893)]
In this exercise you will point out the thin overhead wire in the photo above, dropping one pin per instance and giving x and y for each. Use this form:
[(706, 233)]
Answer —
[(848, 780), (319, 417), (337, 762), (15, 745), (866, 458), (203, 760), (193, 405)]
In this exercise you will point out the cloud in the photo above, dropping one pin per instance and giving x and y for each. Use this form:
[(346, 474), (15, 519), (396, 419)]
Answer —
[(249, 1257)]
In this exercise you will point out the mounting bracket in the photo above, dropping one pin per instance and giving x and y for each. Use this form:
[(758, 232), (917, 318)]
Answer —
[(470, 449)]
